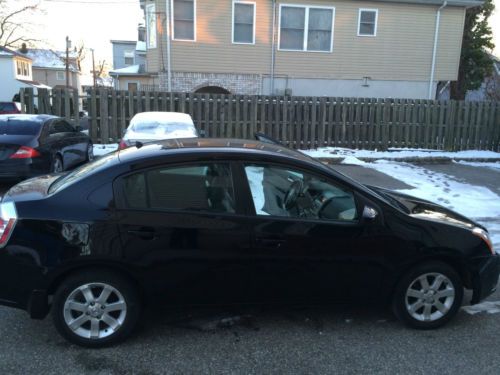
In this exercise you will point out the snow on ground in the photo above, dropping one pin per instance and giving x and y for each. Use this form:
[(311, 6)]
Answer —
[(398, 153), (100, 150)]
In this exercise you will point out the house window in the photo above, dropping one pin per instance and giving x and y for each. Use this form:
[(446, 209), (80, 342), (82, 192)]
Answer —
[(19, 68), (243, 22), (22, 68), (151, 25), (60, 76), (367, 24), (306, 28), (129, 57), (184, 19)]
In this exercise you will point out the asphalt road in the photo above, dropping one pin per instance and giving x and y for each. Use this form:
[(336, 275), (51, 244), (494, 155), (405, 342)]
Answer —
[(250, 340)]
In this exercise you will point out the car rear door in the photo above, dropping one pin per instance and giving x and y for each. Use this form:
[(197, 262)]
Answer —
[(182, 226), (71, 144), (301, 255)]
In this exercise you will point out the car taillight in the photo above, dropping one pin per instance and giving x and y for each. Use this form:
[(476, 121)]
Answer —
[(123, 144), (25, 152), (8, 219)]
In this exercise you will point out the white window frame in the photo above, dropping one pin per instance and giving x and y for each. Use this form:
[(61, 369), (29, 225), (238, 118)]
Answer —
[(129, 55), (148, 30), (306, 27), (58, 75), (172, 22), (254, 20), (376, 21)]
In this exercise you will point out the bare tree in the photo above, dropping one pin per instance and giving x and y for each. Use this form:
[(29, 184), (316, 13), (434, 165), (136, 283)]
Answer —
[(80, 52), (13, 31)]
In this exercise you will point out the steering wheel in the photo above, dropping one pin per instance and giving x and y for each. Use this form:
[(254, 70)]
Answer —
[(292, 194)]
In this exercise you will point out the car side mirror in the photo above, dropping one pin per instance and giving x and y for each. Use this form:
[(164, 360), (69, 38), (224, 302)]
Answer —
[(369, 213), (78, 128), (202, 133)]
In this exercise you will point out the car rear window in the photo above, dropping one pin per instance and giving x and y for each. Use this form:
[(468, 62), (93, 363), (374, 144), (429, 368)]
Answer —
[(18, 127), (82, 172), (8, 107), (158, 128)]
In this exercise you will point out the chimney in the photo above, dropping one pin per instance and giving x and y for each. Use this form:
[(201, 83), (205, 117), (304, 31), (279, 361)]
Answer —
[(24, 49), (141, 33)]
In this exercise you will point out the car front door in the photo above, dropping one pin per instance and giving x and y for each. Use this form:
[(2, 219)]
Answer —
[(309, 238), (182, 227)]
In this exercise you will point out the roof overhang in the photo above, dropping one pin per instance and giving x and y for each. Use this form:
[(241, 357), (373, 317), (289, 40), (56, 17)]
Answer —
[(459, 3)]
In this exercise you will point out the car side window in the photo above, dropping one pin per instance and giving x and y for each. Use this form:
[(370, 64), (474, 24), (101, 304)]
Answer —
[(202, 188), (61, 126), (285, 192)]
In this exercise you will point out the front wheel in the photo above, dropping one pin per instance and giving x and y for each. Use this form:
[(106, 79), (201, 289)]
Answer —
[(90, 152), (96, 308), (428, 296)]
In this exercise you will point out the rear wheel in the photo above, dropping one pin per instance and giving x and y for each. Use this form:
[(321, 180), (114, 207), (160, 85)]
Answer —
[(57, 165), (428, 296), (96, 308)]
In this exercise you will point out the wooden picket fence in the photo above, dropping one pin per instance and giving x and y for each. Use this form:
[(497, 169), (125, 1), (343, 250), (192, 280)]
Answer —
[(299, 122)]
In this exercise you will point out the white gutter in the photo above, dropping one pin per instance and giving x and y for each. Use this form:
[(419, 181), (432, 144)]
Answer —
[(434, 50), (273, 42), (169, 69)]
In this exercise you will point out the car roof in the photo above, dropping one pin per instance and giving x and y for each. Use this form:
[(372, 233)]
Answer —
[(28, 118), (211, 146), (162, 117)]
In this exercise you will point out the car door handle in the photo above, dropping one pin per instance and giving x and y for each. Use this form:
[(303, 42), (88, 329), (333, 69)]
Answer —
[(270, 243), (145, 234)]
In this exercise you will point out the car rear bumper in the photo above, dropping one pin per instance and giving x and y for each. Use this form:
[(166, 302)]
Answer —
[(486, 279), (22, 168)]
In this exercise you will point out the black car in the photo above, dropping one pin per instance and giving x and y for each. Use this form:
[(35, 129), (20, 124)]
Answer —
[(197, 221), (32, 145)]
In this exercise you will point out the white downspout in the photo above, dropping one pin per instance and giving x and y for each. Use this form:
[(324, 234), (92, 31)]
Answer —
[(169, 68), (273, 42), (434, 50)]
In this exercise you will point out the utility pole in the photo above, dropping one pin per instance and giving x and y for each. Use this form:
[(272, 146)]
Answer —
[(68, 45), (93, 70)]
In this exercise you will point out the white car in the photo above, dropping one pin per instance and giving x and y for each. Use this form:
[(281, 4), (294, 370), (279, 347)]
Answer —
[(154, 126)]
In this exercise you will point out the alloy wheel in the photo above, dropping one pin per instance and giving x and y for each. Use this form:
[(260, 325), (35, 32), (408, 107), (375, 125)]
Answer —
[(95, 310), (429, 297)]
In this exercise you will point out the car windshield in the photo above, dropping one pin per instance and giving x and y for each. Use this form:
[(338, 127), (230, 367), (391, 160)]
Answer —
[(161, 128), (17, 127), (82, 172)]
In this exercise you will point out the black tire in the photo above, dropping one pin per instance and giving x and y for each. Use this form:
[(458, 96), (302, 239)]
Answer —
[(57, 165), (126, 290), (90, 152), (402, 303)]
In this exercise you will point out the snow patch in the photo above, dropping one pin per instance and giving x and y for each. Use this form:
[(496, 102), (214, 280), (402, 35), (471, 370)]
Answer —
[(351, 160), (100, 150), (398, 153), (490, 307)]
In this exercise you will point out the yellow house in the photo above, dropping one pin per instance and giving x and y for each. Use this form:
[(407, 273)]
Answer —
[(377, 48)]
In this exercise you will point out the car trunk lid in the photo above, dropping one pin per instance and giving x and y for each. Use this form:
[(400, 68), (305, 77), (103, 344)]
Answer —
[(32, 189), (9, 144)]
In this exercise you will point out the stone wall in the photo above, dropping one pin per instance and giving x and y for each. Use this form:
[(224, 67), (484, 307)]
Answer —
[(244, 84)]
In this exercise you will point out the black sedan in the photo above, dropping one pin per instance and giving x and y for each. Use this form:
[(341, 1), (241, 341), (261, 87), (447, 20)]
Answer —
[(32, 145), (220, 221)]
